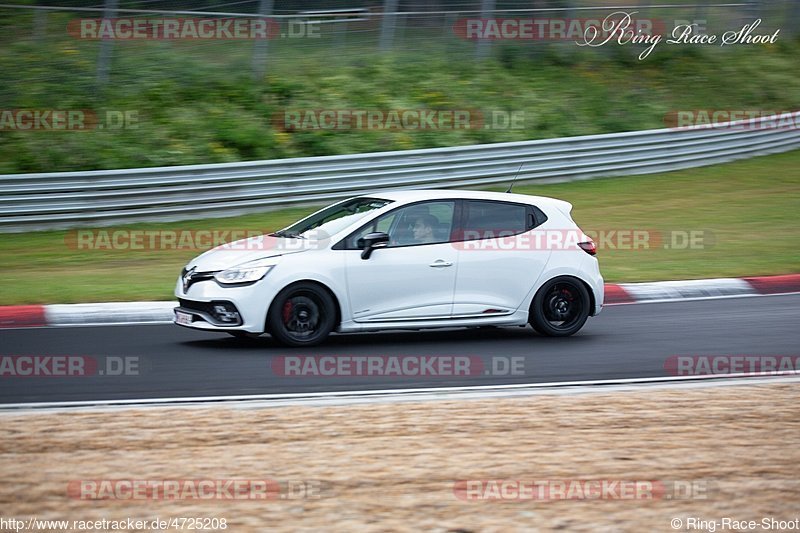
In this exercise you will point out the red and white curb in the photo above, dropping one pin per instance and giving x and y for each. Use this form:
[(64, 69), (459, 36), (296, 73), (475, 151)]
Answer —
[(662, 291), (20, 316)]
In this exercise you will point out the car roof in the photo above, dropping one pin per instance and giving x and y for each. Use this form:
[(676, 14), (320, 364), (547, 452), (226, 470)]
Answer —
[(434, 194)]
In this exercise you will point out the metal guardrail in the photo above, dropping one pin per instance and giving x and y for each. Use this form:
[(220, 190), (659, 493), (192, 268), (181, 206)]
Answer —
[(71, 199)]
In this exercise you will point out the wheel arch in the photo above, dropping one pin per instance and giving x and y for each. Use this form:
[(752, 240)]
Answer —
[(587, 286)]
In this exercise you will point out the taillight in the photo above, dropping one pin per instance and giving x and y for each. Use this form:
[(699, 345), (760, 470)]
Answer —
[(589, 247)]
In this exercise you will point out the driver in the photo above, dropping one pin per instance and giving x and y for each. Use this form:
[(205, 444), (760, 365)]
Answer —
[(423, 229)]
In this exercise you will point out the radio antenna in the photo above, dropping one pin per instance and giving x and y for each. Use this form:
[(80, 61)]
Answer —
[(515, 177)]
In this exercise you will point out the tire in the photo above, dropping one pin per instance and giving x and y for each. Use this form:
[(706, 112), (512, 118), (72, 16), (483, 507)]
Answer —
[(560, 307), (302, 314)]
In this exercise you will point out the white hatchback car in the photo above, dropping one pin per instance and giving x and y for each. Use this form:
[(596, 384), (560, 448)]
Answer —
[(401, 260)]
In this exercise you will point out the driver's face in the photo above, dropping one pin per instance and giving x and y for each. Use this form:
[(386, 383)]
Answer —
[(422, 231)]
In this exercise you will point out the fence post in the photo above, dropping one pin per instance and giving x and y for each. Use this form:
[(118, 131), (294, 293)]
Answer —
[(106, 46), (753, 11), (388, 24), (40, 24), (261, 46), (484, 45), (793, 21)]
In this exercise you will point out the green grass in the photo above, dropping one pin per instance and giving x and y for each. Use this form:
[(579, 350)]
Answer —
[(197, 102), (751, 207)]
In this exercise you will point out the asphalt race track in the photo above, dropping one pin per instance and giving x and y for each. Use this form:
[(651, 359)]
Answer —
[(626, 341)]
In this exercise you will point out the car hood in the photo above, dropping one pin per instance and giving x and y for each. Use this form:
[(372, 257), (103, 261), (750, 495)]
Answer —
[(244, 250)]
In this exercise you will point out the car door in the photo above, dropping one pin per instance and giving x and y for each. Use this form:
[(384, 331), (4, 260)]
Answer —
[(411, 278), (497, 262)]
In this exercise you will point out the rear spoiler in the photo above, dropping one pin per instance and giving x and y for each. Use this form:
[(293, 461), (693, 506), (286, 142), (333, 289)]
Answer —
[(564, 207)]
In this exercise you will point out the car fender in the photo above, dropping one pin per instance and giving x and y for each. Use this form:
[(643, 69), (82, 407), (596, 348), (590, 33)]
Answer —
[(562, 264), (296, 270)]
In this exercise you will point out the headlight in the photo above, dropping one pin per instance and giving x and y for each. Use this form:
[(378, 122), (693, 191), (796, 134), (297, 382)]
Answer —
[(245, 273)]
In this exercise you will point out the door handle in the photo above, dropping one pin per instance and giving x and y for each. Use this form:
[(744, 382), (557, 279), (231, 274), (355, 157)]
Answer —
[(440, 263)]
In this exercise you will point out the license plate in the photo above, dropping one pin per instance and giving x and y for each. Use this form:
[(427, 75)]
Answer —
[(183, 318)]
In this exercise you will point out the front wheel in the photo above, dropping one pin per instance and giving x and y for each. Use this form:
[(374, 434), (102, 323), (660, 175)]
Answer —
[(302, 314), (560, 308)]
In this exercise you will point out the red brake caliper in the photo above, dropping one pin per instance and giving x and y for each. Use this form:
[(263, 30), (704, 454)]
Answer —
[(287, 312)]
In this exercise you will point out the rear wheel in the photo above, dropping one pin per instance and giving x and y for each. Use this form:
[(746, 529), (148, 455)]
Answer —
[(560, 308), (302, 314)]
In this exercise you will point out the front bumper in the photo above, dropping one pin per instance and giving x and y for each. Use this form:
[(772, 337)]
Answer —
[(244, 307), (219, 313)]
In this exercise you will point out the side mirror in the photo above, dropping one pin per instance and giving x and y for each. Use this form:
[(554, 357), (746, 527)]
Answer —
[(371, 241)]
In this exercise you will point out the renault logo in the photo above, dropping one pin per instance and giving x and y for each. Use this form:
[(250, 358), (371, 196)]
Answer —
[(187, 278)]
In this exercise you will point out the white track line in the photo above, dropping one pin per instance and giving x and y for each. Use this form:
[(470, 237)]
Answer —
[(419, 394)]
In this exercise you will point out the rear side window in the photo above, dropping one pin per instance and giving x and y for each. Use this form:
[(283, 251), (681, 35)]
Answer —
[(487, 220)]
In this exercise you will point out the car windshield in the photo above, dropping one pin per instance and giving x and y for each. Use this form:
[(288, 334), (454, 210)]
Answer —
[(333, 219)]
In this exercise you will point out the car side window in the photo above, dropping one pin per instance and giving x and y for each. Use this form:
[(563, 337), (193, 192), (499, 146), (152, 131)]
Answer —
[(421, 223), (382, 224), (488, 220)]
